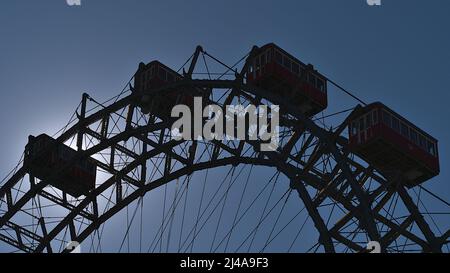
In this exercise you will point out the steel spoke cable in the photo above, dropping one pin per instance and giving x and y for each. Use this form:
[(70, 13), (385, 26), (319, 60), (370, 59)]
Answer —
[(331, 213), (215, 207), (410, 227), (109, 201), (194, 236), (427, 213), (114, 98), (346, 91), (354, 234), (130, 223), (277, 174), (166, 221), (198, 212), (225, 65), (298, 234), (316, 246), (239, 207), (181, 67), (18, 192), (276, 221), (141, 225), (434, 195), (221, 211), (164, 226), (287, 224), (264, 218), (173, 211), (71, 119), (388, 215), (206, 66), (14, 170), (201, 202), (184, 214), (164, 217), (200, 216)]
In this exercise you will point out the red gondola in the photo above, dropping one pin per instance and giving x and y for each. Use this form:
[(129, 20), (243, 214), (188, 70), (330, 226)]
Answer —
[(277, 71), (155, 75), (390, 143), (44, 154)]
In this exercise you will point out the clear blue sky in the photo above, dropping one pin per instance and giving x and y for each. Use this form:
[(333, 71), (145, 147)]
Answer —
[(50, 53)]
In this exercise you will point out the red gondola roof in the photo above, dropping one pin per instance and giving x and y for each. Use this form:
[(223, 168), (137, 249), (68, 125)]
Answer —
[(381, 105)]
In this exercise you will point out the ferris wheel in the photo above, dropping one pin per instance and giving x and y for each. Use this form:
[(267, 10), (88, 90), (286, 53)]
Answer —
[(114, 179)]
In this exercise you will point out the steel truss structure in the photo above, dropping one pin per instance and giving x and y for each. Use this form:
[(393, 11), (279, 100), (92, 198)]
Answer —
[(314, 159)]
